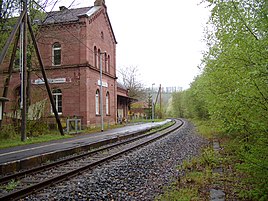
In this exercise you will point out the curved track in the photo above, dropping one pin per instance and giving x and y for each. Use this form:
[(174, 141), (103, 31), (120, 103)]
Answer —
[(38, 178)]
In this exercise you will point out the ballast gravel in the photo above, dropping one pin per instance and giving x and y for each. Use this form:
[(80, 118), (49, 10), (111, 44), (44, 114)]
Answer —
[(141, 175)]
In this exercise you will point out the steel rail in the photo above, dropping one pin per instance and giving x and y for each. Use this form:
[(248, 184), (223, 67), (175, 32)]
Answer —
[(15, 195), (19, 175)]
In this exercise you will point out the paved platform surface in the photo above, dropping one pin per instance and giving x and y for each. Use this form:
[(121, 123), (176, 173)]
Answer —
[(18, 153)]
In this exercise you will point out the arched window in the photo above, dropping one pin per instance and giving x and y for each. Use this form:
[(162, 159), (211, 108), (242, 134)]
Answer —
[(105, 62), (57, 96), (56, 54), (99, 58), (109, 63), (97, 102), (95, 57), (107, 103)]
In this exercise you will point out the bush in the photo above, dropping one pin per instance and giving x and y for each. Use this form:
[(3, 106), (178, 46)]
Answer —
[(36, 128), (7, 132)]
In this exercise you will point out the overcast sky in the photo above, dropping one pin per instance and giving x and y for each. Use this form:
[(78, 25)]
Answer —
[(162, 38)]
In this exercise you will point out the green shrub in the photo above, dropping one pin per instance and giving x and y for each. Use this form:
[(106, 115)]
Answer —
[(7, 132), (36, 128)]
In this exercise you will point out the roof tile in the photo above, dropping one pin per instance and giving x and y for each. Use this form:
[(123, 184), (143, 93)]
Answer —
[(68, 15)]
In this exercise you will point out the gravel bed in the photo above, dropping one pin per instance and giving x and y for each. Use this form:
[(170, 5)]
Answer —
[(140, 175)]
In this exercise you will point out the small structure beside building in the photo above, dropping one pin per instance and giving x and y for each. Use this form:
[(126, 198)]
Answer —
[(140, 110), (123, 103)]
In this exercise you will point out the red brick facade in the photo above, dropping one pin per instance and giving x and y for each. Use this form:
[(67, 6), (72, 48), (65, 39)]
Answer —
[(82, 41)]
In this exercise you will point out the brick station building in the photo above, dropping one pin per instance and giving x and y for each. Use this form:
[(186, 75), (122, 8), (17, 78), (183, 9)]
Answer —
[(74, 44)]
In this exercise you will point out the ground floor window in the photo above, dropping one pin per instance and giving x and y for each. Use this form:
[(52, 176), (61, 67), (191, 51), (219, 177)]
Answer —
[(57, 96), (107, 103), (97, 102)]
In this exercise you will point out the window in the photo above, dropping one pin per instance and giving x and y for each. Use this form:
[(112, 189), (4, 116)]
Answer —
[(107, 103), (109, 63), (57, 96), (95, 57), (56, 54), (99, 58), (105, 62), (102, 35), (97, 102)]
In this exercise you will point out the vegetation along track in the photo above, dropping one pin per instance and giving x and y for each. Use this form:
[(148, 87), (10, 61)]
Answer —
[(29, 181)]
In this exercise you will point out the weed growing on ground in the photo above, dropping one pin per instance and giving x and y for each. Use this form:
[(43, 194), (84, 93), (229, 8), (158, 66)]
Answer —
[(11, 185), (196, 178), (239, 169)]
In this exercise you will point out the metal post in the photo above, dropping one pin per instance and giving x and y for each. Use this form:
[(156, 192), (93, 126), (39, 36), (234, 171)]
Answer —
[(23, 75), (152, 103), (160, 88), (101, 95)]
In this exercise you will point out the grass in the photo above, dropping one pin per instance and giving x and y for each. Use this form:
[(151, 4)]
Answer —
[(183, 194), (16, 141), (208, 129)]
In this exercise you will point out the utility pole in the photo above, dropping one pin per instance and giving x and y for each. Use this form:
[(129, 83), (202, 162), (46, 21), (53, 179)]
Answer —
[(153, 103), (24, 73), (160, 89)]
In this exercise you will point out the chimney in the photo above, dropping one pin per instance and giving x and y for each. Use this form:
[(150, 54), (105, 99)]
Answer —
[(63, 8), (99, 2)]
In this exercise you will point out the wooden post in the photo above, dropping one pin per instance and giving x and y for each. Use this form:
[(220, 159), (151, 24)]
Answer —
[(11, 37), (45, 77)]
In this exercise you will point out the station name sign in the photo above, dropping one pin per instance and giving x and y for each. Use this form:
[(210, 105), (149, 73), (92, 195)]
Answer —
[(104, 84), (51, 81)]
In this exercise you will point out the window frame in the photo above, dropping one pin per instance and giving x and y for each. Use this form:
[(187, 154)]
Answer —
[(95, 57), (55, 48), (56, 93), (97, 102), (99, 58), (105, 62), (109, 64), (107, 103)]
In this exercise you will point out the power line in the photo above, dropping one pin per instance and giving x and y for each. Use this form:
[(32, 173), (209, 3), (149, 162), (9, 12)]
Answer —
[(78, 39)]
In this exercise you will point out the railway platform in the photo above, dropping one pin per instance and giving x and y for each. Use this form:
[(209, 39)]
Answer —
[(27, 156)]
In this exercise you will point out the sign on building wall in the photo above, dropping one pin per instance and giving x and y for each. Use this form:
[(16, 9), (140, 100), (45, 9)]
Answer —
[(51, 81), (104, 83)]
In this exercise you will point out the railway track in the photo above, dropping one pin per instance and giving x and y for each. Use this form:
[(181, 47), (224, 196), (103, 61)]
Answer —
[(33, 180)]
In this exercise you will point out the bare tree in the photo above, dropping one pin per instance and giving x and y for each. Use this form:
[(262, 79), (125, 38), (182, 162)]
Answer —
[(129, 76)]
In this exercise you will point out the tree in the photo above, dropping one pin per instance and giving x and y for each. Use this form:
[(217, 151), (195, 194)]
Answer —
[(233, 85), (236, 65), (130, 79)]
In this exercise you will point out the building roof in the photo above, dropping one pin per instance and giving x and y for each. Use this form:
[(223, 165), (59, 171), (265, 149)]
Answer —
[(69, 15), (120, 85), (65, 15)]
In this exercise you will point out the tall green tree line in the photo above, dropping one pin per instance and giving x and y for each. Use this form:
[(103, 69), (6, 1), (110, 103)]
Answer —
[(233, 88)]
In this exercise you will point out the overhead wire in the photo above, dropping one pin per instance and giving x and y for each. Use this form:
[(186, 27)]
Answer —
[(79, 40)]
